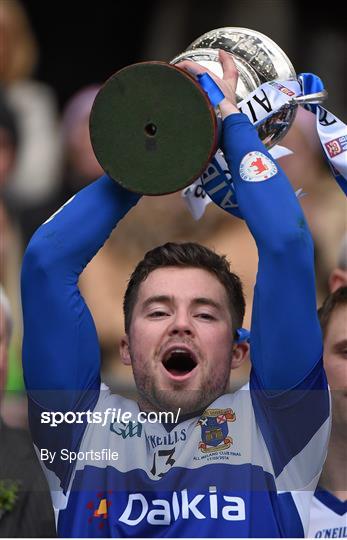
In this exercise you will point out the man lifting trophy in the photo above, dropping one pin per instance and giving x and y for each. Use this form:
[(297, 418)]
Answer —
[(214, 463)]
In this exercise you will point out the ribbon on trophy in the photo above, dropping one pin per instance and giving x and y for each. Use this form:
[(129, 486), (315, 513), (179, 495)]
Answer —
[(215, 184), (331, 131)]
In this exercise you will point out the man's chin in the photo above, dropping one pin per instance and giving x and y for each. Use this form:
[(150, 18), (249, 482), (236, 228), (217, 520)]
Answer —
[(189, 401), (191, 396)]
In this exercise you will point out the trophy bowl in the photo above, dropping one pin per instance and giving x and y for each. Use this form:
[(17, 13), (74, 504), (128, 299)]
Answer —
[(258, 60)]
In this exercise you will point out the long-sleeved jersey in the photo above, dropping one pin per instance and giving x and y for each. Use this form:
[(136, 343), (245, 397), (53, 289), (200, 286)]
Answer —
[(328, 517), (249, 464)]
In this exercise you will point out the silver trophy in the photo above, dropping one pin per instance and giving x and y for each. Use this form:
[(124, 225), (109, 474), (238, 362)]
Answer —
[(258, 60)]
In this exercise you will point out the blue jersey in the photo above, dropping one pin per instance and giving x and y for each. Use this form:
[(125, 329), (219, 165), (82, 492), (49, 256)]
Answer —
[(248, 465)]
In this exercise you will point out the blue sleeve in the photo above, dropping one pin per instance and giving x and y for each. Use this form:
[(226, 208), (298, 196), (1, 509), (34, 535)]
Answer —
[(61, 356), (286, 340), (60, 348)]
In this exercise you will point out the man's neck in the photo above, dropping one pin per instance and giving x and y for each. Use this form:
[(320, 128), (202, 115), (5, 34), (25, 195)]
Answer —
[(334, 475)]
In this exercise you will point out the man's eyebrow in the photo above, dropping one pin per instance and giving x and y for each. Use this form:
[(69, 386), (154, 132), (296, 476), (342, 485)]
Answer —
[(160, 298), (203, 301), (166, 299)]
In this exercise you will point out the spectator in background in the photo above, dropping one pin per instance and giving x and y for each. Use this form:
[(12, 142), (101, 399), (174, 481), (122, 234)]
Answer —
[(329, 506), (8, 139), (37, 164), (25, 503), (80, 163), (10, 258), (338, 277), (8, 151)]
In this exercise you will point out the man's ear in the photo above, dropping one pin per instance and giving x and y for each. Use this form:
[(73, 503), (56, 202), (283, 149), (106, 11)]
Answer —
[(124, 351), (240, 353)]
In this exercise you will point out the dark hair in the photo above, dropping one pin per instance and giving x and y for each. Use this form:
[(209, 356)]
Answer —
[(192, 255), (335, 299)]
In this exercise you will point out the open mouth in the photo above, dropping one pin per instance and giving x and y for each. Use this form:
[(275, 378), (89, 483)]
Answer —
[(179, 362)]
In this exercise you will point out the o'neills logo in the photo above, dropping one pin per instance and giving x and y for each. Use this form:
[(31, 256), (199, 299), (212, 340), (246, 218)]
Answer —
[(165, 511), (214, 429)]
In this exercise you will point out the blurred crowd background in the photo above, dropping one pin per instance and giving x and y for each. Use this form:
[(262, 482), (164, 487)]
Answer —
[(53, 58)]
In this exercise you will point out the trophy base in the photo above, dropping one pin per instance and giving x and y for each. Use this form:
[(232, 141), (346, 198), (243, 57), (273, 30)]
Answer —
[(153, 128)]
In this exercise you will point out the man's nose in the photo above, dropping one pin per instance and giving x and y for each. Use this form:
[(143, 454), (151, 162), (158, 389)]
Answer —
[(181, 324)]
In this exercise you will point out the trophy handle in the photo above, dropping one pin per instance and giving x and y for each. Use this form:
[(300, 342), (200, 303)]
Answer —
[(315, 99)]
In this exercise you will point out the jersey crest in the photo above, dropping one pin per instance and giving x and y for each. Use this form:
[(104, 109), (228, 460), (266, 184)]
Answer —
[(215, 429)]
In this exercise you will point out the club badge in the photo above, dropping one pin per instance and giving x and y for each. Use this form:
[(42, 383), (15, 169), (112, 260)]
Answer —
[(256, 167), (215, 430)]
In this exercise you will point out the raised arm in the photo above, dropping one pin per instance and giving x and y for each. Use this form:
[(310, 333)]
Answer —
[(285, 334), (60, 348), (288, 385)]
